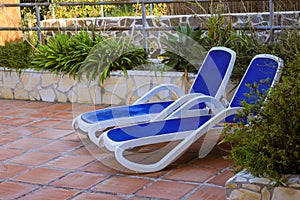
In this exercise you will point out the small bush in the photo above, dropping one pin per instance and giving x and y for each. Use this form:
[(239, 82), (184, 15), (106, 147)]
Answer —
[(270, 144), (16, 56)]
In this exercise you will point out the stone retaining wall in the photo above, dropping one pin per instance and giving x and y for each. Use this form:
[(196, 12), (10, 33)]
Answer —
[(245, 186), (117, 89)]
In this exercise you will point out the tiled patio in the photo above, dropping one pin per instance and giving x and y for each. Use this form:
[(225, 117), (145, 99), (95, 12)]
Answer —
[(41, 157)]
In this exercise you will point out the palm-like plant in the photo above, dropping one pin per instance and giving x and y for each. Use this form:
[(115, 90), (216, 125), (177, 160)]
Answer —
[(183, 52), (63, 53), (110, 55)]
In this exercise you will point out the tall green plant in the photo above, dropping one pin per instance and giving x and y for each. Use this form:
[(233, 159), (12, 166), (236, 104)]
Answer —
[(182, 52), (63, 53), (112, 54), (219, 28)]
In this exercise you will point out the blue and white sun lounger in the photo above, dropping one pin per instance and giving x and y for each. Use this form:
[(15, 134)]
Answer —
[(186, 130), (211, 80)]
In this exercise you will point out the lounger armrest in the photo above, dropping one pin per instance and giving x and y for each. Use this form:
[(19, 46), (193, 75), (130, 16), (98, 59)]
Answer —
[(157, 89), (74, 123), (211, 102)]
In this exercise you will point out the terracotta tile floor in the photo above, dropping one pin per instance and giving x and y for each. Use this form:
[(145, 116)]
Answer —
[(41, 157)]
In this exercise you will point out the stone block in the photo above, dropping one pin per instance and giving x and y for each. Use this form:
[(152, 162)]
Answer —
[(72, 95), (231, 185), (251, 187), (81, 85), (83, 95), (61, 97), (6, 93), (95, 93), (30, 80), (116, 85), (21, 94), (131, 85), (242, 194), (265, 194), (294, 182), (20, 86), (49, 79), (280, 193), (143, 84), (260, 180), (48, 95), (65, 84), (85, 82), (34, 96), (112, 99), (161, 79), (10, 80)]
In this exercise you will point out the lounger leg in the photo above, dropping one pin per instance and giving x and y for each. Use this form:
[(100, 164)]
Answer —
[(210, 140), (75, 124), (92, 135)]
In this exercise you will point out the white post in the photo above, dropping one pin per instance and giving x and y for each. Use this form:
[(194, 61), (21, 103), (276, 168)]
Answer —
[(102, 10), (52, 9), (271, 19)]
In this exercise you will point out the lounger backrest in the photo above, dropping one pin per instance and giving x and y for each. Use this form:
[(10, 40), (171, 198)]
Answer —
[(214, 73), (263, 67)]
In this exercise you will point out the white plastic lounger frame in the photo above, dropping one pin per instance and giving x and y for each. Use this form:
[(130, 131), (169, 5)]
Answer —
[(210, 80), (263, 66)]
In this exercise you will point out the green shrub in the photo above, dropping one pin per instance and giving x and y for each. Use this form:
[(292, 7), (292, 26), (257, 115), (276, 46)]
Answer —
[(112, 54), (63, 53), (16, 56), (270, 144), (68, 54)]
